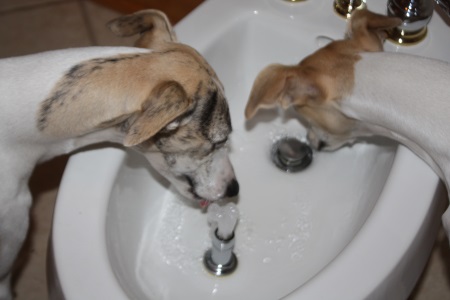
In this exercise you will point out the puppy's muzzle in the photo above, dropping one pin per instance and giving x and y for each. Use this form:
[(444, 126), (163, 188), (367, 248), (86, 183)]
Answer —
[(232, 188)]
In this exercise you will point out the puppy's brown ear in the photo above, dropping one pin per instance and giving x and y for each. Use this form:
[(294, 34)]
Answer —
[(153, 26), (369, 29), (280, 85), (167, 102), (267, 89)]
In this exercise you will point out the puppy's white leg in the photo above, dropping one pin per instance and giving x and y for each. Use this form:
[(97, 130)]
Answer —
[(14, 219)]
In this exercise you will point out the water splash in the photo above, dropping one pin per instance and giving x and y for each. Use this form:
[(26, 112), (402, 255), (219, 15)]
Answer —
[(224, 218)]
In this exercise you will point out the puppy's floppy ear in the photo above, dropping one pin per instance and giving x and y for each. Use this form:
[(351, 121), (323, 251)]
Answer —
[(167, 102), (153, 26), (369, 29), (283, 85)]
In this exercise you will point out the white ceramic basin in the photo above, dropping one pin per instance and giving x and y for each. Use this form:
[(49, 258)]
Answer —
[(357, 224)]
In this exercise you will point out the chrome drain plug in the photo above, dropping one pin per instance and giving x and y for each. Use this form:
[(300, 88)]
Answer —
[(291, 155)]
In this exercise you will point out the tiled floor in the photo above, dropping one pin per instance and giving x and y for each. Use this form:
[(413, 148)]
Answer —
[(30, 26)]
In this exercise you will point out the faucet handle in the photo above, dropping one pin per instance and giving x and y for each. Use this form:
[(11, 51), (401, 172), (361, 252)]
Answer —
[(344, 8)]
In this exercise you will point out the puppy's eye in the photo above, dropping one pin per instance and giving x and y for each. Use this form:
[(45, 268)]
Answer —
[(219, 144)]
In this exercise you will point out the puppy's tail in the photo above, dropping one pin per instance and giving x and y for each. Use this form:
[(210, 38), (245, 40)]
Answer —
[(153, 26)]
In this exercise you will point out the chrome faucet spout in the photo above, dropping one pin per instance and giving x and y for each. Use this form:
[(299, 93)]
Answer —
[(416, 15), (220, 259)]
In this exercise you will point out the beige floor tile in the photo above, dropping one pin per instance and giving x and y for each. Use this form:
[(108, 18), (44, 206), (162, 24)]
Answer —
[(43, 28), (29, 281), (8, 5), (435, 280)]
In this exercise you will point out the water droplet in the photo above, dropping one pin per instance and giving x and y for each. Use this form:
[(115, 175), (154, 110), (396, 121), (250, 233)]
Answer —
[(215, 289), (296, 256)]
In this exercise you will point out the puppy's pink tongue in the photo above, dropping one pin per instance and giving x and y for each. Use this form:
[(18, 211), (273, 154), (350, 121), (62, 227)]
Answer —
[(204, 203)]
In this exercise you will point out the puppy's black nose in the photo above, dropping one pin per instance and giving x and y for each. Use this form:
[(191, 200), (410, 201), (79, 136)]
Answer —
[(232, 189)]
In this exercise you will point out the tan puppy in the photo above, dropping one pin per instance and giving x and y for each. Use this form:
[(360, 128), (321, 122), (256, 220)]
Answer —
[(316, 85), (167, 103), (350, 89)]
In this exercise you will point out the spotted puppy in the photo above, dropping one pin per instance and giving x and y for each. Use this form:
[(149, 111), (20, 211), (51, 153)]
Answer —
[(167, 103), (351, 89)]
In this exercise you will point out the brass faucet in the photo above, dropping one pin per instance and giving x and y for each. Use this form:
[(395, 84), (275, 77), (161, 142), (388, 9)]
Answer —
[(416, 15)]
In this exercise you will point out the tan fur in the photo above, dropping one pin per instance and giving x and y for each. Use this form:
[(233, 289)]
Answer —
[(112, 90), (167, 101), (153, 23), (315, 86), (133, 78), (368, 30)]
